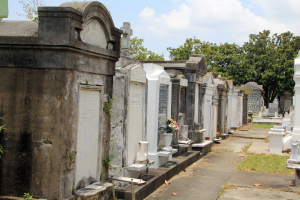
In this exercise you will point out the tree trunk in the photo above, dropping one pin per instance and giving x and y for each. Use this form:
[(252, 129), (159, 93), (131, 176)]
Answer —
[(266, 98)]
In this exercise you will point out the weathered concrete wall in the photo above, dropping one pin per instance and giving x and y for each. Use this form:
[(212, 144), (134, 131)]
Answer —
[(40, 111)]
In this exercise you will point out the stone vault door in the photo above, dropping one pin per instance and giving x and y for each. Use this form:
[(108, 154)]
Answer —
[(88, 162)]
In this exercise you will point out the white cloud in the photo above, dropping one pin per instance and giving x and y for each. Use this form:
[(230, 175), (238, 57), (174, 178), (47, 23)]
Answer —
[(220, 20)]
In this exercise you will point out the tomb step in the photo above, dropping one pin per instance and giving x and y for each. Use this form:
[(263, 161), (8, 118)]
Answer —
[(164, 153), (156, 177), (136, 167), (97, 190)]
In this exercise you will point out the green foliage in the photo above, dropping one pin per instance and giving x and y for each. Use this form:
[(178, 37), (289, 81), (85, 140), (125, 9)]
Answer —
[(26, 196), (270, 61), (142, 53), (30, 9), (102, 175), (71, 157), (107, 106), (106, 161), (245, 89), (267, 60)]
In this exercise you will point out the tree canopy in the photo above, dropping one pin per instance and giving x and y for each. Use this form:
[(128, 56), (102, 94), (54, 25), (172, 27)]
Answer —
[(142, 53), (267, 60)]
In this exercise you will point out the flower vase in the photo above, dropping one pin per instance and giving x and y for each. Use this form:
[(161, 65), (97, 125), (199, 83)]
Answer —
[(168, 140)]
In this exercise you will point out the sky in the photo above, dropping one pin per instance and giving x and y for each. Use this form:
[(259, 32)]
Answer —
[(168, 23)]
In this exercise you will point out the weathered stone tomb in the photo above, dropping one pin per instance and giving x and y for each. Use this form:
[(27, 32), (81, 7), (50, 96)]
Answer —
[(55, 76)]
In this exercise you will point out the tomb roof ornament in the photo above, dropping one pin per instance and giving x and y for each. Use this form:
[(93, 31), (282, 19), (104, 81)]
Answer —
[(127, 32), (94, 10), (196, 63)]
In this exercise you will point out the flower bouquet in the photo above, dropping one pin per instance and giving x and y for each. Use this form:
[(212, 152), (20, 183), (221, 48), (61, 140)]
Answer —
[(171, 126), (218, 135)]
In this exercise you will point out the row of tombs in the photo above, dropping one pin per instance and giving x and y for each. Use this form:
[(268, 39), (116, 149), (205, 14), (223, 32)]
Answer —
[(69, 103), (146, 93)]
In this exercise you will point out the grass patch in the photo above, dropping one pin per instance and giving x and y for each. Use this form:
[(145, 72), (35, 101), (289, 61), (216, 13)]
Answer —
[(226, 187), (263, 126), (245, 148), (266, 163)]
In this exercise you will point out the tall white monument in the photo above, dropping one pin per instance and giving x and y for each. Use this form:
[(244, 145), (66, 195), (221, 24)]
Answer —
[(294, 161), (158, 108)]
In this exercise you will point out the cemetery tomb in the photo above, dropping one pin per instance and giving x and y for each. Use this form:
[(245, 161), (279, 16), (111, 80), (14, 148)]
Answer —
[(179, 108), (158, 108), (53, 99), (230, 105), (235, 111), (240, 105), (286, 100), (208, 106), (245, 110), (193, 69), (128, 121), (215, 111), (222, 118), (254, 99)]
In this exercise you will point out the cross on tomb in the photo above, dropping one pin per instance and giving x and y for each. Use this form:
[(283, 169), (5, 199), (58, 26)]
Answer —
[(127, 32)]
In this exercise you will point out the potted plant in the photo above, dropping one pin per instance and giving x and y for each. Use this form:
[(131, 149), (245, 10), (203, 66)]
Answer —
[(171, 126)]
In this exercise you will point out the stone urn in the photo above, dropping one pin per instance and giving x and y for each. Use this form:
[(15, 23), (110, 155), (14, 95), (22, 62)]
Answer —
[(168, 139)]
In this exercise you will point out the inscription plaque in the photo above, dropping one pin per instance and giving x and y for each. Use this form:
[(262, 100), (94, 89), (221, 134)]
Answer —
[(162, 113), (88, 144)]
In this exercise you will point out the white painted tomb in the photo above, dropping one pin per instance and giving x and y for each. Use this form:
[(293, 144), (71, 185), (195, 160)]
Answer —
[(215, 108), (294, 161), (229, 105), (240, 118), (235, 109), (158, 108), (208, 106)]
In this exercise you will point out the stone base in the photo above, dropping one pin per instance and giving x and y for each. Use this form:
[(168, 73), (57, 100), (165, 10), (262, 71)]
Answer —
[(159, 158), (293, 164), (181, 149), (156, 177), (97, 191), (267, 120), (204, 147)]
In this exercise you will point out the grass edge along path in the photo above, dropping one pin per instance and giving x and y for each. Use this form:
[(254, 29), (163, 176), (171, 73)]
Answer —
[(263, 126), (266, 163)]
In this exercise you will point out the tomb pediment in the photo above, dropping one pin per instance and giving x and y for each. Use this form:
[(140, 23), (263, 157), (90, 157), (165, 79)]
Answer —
[(97, 27), (93, 33), (196, 63), (138, 74)]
